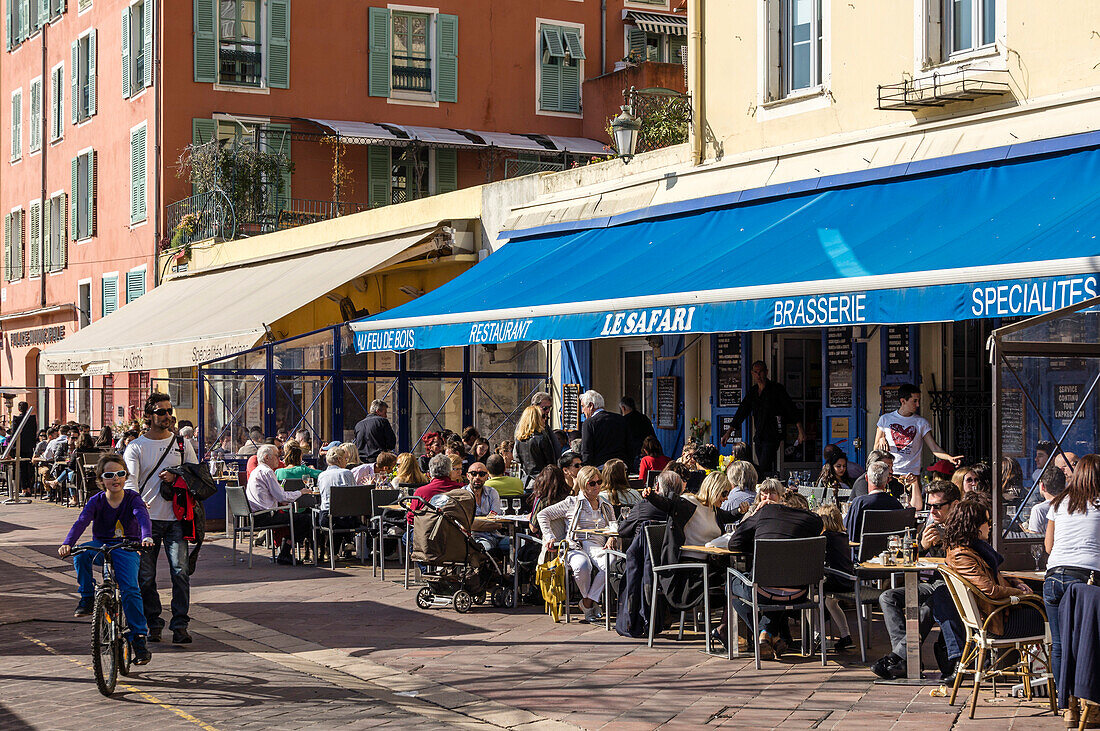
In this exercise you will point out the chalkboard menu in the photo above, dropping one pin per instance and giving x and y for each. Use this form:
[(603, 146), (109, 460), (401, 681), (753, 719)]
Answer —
[(668, 403), (897, 350), (838, 355), (1066, 398), (725, 422), (1013, 425), (728, 369), (571, 406), (890, 401)]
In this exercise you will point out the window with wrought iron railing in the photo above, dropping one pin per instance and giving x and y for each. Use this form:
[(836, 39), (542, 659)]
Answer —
[(240, 54), (411, 59)]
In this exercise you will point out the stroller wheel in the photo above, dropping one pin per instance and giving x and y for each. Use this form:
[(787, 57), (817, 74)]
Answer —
[(479, 598), (424, 598), (498, 597), (463, 601)]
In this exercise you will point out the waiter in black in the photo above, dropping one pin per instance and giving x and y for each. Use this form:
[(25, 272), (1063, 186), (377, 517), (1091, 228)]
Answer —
[(374, 434), (771, 408), (27, 434)]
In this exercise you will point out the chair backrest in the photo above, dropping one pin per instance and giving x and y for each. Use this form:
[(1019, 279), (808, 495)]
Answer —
[(788, 561), (89, 460), (888, 521), (654, 539), (293, 484), (348, 500), (844, 494), (965, 596), (694, 481), (238, 501), (651, 478), (872, 544), (380, 497)]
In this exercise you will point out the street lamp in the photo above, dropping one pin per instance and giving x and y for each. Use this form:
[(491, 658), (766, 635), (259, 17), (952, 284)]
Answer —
[(625, 128)]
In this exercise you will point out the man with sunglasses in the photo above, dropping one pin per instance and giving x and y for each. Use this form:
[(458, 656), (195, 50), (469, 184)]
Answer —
[(488, 504), (147, 460), (935, 602)]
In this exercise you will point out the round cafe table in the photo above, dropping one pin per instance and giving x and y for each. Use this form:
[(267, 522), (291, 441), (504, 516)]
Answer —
[(913, 675)]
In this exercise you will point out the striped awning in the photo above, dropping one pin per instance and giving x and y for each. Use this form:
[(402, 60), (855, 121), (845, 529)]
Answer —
[(674, 25)]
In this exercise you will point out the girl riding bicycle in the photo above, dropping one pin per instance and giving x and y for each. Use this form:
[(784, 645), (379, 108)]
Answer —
[(116, 514)]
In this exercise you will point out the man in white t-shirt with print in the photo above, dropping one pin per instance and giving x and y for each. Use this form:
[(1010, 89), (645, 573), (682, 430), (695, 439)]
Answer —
[(904, 433), (147, 458)]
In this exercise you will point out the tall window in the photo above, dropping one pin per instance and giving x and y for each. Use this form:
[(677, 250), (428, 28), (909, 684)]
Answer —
[(240, 55), (802, 46), (83, 77), (412, 58), (16, 125), (969, 24), (137, 43), (84, 195), (57, 102), (410, 175), (561, 53)]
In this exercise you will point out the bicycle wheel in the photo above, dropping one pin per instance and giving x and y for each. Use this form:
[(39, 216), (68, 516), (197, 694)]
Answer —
[(104, 654), (125, 656)]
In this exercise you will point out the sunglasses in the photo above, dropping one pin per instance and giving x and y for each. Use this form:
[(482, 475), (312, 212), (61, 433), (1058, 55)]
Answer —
[(112, 475), (937, 506), (163, 412), (595, 482), (477, 473)]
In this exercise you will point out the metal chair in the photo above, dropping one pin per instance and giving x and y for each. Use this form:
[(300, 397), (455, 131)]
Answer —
[(980, 642), (236, 502), (378, 524), (655, 537), (345, 501), (783, 562)]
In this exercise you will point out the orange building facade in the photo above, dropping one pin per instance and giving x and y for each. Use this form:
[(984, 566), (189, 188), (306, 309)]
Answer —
[(103, 96)]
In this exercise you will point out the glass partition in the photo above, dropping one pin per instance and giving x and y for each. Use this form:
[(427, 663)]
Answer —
[(304, 403), (358, 395), (233, 405)]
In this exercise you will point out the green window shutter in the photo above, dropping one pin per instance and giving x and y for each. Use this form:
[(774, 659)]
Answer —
[(278, 39), (24, 13), (36, 20), (36, 116), (147, 40), (43, 12), (47, 236), (206, 42), (447, 54), (7, 242), (636, 42), (36, 239), (137, 175), (16, 122), (74, 75), (379, 72), (380, 169), (62, 259), (446, 170), (110, 295), (551, 34), (75, 228), (571, 87), (277, 138), (91, 73), (135, 285), (92, 179), (550, 87), (126, 52), (573, 43), (203, 130), (20, 236), (7, 35)]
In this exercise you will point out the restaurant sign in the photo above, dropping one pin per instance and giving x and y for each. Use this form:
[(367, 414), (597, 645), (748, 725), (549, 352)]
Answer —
[(913, 305), (36, 336)]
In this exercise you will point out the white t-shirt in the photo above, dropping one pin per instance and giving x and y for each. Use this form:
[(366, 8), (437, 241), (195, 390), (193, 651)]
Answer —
[(1037, 521), (141, 457), (905, 437), (1076, 537)]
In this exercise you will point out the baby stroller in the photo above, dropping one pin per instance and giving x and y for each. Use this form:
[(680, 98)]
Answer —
[(457, 570)]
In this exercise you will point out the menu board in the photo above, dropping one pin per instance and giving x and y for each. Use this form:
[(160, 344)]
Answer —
[(725, 422), (571, 406), (668, 403), (1013, 425), (729, 366), (838, 356), (898, 362), (890, 401), (1066, 398)]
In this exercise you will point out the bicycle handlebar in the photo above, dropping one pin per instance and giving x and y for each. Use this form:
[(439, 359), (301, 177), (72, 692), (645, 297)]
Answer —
[(124, 545)]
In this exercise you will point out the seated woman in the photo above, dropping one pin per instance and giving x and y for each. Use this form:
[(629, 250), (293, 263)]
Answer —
[(966, 536), (838, 555), (653, 458), (617, 489), (587, 554), (292, 458), (548, 488), (834, 474), (742, 478), (407, 476), (700, 516)]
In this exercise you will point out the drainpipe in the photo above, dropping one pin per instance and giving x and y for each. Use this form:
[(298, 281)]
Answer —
[(43, 147), (603, 37), (156, 141), (695, 53)]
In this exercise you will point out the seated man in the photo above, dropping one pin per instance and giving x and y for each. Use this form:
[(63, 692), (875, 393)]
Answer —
[(894, 486), (877, 498), (773, 519), (505, 485), (265, 493), (1052, 483), (935, 601), (488, 504)]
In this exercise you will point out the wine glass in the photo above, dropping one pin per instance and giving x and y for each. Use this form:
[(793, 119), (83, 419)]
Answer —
[(517, 505), (1036, 554)]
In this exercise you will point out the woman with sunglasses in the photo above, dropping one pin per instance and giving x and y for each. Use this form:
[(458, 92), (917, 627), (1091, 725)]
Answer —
[(587, 554), (116, 514)]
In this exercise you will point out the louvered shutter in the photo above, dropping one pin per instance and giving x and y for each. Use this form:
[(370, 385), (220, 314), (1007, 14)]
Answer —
[(7, 247), (74, 75), (8, 36), (147, 41), (446, 170), (126, 52), (62, 259), (135, 285), (16, 124), (202, 132), (36, 116), (48, 240), (137, 175), (34, 269), (110, 295), (380, 170), (278, 41), (571, 87), (75, 227), (206, 42), (91, 73), (24, 16), (447, 58), (20, 236), (277, 139), (550, 70), (636, 41), (92, 180), (573, 43), (379, 59)]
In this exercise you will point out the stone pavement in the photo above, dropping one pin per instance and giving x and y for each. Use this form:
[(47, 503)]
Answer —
[(300, 646)]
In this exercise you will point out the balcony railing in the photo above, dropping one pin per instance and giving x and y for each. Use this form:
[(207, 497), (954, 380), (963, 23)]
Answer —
[(240, 63), (412, 73), (210, 215)]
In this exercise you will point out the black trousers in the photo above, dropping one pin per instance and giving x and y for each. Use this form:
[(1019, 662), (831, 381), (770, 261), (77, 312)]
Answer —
[(766, 450)]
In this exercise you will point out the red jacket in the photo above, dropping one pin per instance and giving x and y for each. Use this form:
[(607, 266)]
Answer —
[(427, 492)]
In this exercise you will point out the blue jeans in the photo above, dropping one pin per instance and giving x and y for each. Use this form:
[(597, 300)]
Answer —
[(170, 534), (125, 565), (1054, 588), (947, 617), (492, 542), (774, 623)]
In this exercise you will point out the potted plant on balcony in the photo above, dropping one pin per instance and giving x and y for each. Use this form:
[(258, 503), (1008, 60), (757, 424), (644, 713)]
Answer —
[(182, 235)]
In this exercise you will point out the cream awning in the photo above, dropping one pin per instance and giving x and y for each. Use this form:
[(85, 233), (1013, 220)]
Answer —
[(217, 312)]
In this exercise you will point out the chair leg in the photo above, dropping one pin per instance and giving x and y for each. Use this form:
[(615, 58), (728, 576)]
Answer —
[(821, 625), (1086, 711), (977, 681), (331, 547), (680, 635), (755, 628), (733, 625), (706, 609), (251, 540), (652, 610), (963, 662)]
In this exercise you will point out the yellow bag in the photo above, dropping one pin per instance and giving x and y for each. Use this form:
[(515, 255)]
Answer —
[(550, 578)]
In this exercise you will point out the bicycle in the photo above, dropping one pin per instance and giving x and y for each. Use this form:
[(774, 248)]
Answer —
[(111, 651)]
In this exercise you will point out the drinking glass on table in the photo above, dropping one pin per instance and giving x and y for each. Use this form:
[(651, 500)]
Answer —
[(517, 505), (1036, 554)]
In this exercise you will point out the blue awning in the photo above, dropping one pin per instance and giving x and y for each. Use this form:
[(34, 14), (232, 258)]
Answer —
[(1002, 239)]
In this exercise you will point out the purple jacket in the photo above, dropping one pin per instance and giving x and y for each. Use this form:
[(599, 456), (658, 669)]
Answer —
[(132, 516)]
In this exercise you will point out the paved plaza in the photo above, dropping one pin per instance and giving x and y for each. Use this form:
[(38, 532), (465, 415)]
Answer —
[(298, 647)]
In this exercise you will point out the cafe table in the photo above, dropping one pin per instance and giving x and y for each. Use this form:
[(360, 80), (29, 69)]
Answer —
[(513, 522), (731, 642), (911, 573)]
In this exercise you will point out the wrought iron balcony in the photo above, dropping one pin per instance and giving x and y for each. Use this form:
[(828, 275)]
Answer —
[(241, 63), (412, 73), (940, 89)]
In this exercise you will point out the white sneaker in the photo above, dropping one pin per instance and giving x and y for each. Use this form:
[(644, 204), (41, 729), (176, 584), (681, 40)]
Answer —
[(590, 614)]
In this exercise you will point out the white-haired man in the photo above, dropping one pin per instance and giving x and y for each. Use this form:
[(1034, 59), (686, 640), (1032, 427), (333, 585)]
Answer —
[(877, 498), (374, 434), (265, 493), (604, 434)]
